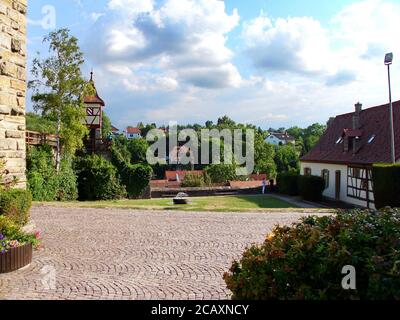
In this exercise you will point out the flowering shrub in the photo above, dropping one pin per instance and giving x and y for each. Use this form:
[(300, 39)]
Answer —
[(11, 236), (305, 261)]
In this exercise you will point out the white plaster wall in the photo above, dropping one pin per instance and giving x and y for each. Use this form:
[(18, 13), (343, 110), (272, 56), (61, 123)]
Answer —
[(330, 192)]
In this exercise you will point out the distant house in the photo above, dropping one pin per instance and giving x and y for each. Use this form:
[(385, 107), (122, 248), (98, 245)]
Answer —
[(133, 133), (345, 154), (280, 139), (114, 131)]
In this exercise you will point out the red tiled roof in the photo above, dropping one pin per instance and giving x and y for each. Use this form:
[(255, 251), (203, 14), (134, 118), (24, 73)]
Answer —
[(94, 99), (133, 131), (373, 122)]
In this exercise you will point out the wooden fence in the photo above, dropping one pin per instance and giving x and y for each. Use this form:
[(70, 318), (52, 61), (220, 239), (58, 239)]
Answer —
[(36, 139)]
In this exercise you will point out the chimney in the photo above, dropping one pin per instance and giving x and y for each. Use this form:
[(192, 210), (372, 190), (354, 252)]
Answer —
[(356, 116), (330, 121)]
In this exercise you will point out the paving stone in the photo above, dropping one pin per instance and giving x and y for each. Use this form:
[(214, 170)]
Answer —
[(121, 254)]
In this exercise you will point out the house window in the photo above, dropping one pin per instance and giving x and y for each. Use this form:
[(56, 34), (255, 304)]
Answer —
[(325, 176), (307, 171)]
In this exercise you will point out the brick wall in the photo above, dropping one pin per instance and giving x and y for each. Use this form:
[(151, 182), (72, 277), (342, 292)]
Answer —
[(13, 87)]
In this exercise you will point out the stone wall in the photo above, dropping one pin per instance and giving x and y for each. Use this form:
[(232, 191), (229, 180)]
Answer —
[(13, 87)]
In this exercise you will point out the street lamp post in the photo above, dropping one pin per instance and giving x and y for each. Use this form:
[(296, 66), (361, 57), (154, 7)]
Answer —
[(388, 62)]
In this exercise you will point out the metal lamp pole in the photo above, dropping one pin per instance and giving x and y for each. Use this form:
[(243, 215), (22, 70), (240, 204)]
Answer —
[(388, 62)]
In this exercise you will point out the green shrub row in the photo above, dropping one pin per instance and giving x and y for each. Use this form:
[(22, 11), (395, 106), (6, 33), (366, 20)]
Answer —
[(309, 188), (386, 181), (305, 261), (15, 205), (288, 183)]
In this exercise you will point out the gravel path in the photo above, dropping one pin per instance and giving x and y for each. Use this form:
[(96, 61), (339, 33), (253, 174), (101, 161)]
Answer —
[(124, 254)]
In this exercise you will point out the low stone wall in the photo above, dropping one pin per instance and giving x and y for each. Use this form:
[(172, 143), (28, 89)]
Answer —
[(13, 88)]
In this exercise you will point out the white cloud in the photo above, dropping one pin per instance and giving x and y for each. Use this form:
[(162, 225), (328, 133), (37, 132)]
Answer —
[(186, 38), (298, 44), (161, 62)]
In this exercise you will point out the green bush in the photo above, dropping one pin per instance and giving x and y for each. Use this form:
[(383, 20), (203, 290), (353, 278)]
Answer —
[(288, 183), (43, 180), (136, 178), (305, 261), (195, 180), (311, 187), (12, 231), (97, 179), (15, 204), (386, 180), (221, 173)]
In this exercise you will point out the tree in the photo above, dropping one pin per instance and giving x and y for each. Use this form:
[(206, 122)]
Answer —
[(264, 154), (138, 149), (286, 158), (106, 127), (59, 88), (38, 123)]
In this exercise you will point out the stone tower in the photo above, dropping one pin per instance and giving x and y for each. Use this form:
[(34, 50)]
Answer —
[(13, 87)]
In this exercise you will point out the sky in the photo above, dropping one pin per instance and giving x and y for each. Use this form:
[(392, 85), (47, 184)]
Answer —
[(266, 62)]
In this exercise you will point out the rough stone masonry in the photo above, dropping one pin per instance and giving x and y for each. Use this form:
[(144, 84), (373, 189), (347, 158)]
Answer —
[(13, 87)]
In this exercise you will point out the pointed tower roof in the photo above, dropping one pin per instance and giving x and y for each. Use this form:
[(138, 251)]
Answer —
[(93, 99)]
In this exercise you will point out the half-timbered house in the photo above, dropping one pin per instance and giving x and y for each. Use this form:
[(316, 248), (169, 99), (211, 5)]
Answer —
[(344, 156)]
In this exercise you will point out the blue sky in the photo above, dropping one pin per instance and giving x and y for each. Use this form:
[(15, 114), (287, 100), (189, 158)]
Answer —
[(268, 62)]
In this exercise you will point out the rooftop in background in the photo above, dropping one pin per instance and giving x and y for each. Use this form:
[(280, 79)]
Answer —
[(282, 136), (372, 138), (131, 130)]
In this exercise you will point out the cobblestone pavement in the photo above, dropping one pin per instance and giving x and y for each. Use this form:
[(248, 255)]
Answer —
[(123, 254)]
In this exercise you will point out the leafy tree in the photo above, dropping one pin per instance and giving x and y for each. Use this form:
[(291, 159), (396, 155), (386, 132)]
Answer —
[(286, 158), (58, 90), (137, 149), (107, 129), (225, 121), (39, 123), (264, 154)]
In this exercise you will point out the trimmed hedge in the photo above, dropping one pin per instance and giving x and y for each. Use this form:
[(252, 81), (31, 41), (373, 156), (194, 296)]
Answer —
[(288, 183), (386, 179), (311, 187), (15, 204), (97, 179), (305, 261)]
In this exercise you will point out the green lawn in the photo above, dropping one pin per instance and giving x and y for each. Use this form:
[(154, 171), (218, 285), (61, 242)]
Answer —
[(216, 204)]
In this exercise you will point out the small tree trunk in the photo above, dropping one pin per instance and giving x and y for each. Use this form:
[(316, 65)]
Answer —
[(58, 155)]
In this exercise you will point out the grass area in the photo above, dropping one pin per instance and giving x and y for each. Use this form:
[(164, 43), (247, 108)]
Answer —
[(215, 204)]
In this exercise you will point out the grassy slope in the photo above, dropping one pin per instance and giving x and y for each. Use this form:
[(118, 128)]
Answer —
[(217, 204)]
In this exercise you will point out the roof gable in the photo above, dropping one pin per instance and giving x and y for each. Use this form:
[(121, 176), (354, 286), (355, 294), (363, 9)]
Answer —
[(373, 138)]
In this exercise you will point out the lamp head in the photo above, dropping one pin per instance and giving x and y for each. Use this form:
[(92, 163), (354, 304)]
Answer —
[(388, 58)]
